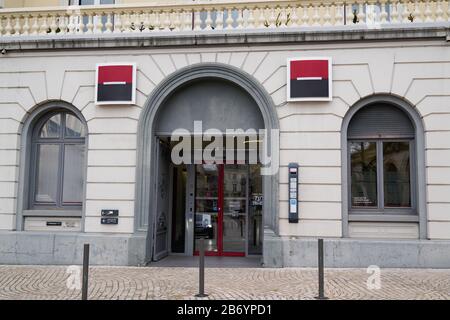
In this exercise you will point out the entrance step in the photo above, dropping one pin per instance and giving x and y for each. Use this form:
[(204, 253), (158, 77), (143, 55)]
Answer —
[(210, 262)]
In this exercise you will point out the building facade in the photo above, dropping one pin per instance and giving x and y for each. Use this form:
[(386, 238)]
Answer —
[(372, 160)]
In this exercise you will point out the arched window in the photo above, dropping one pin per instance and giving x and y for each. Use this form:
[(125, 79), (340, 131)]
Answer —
[(381, 159), (57, 162)]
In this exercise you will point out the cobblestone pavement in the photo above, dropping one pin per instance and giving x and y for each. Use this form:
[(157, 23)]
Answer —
[(50, 282)]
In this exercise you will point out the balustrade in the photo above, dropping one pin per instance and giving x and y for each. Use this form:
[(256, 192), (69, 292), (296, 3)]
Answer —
[(219, 16)]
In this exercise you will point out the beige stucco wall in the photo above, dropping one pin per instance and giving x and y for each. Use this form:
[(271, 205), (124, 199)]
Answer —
[(12, 3), (31, 3), (419, 72)]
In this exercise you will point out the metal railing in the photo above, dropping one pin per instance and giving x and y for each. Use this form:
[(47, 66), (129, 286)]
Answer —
[(218, 16)]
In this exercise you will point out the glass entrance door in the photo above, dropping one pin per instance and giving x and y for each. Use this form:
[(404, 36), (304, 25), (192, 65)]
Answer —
[(235, 181), (207, 207), (221, 207)]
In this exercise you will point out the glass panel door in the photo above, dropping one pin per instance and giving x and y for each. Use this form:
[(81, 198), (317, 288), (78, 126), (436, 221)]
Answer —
[(207, 206), (235, 181), (255, 229), (222, 208)]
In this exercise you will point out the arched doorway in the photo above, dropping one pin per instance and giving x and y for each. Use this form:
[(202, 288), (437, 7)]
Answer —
[(219, 97)]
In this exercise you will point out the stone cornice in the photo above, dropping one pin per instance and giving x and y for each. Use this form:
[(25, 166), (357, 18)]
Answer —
[(215, 38)]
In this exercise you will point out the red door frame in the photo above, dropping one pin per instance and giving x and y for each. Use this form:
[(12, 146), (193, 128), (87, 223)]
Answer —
[(220, 199)]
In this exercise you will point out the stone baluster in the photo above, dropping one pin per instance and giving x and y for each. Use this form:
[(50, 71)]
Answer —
[(188, 20), (151, 21), (166, 21), (349, 14), (261, 17), (244, 18), (137, 22), (305, 16), (133, 25), (71, 26), (118, 25), (272, 18), (108, 24), (251, 18), (394, 12), (240, 18), (176, 21), (44, 26), (153, 16), (361, 15), (1, 26), (332, 12), (229, 19), (8, 27), (439, 11), (197, 21), (99, 22), (327, 15), (294, 16), (208, 20), (405, 12), (411, 8), (90, 24), (159, 22), (370, 14), (220, 22), (17, 26), (26, 25), (127, 22), (181, 19), (448, 11), (219, 19), (316, 16), (338, 14), (283, 18), (417, 13), (428, 13), (35, 26), (53, 24), (383, 13), (63, 24), (146, 22), (143, 17), (80, 28)]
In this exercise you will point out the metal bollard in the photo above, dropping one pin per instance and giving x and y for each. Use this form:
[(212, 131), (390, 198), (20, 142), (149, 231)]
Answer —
[(201, 289), (84, 288), (321, 273)]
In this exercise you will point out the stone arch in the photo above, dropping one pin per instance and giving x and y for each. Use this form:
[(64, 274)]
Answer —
[(146, 131)]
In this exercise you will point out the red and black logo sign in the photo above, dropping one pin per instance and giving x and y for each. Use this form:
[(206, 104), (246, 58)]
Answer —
[(116, 84), (309, 79)]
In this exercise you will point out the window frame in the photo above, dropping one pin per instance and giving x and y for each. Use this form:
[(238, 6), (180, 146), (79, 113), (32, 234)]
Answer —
[(380, 209), (24, 176), (62, 141), (420, 184)]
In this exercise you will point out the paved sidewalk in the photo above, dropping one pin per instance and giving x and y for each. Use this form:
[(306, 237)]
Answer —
[(50, 282)]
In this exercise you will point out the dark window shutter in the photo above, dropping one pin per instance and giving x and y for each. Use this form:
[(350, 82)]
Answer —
[(380, 121)]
